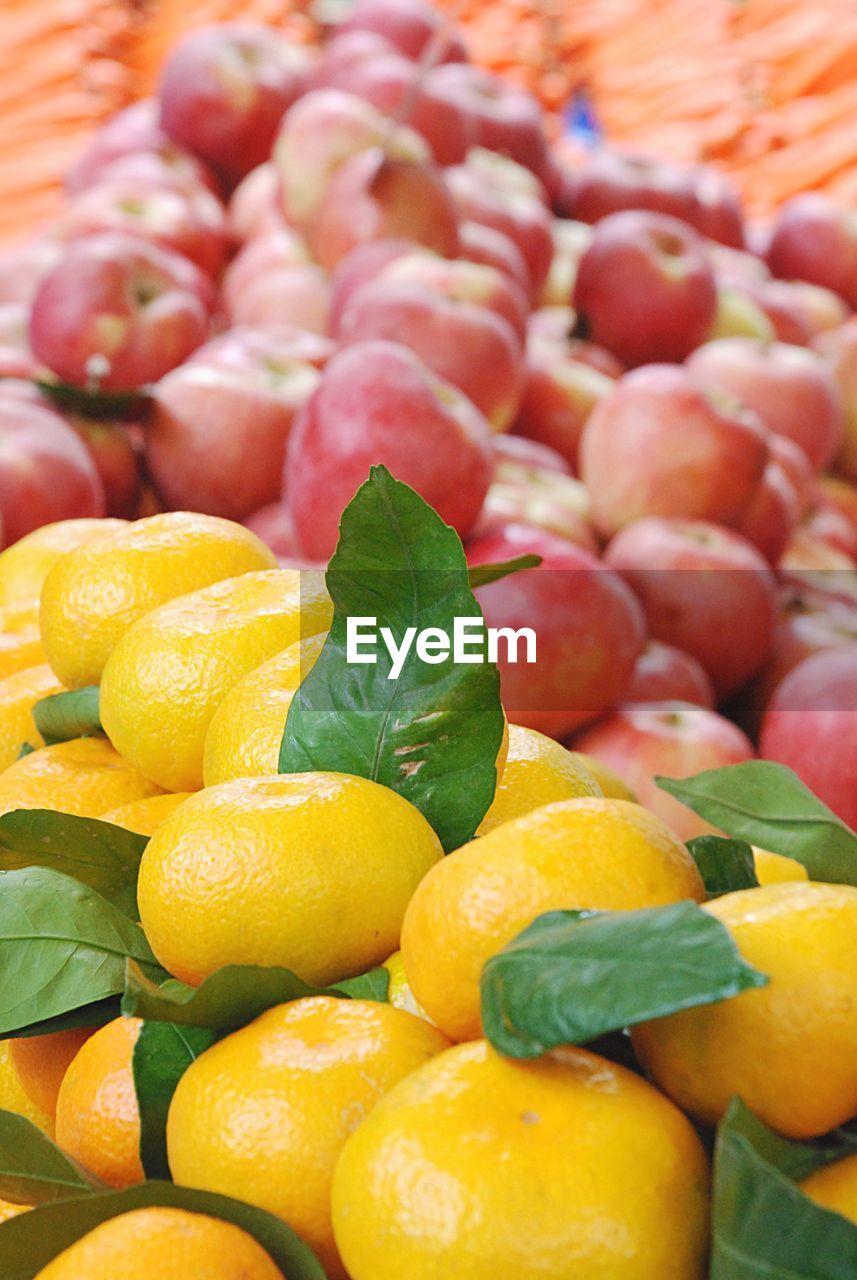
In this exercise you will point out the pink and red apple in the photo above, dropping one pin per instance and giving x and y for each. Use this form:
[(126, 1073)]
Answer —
[(663, 673)]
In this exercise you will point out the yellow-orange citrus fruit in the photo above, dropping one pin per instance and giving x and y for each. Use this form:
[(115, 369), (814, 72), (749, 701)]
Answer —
[(93, 594), (246, 730), (41, 1062), (171, 670), (9, 1210), (20, 639), (399, 992), (312, 871), (537, 771), (477, 1167), (25, 565), (84, 776), (12, 1095), (163, 1244), (19, 693), (774, 868), (145, 816), (766, 1045), (264, 1114), (98, 1120), (589, 853), (612, 786), (834, 1187)]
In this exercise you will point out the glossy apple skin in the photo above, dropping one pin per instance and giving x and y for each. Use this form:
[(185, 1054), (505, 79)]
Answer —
[(673, 739), (813, 240), (791, 389), (811, 726), (502, 117), (492, 248), (705, 590), (590, 630), (663, 673), (645, 288), (773, 513), (224, 90), (377, 403), (657, 445), (112, 448), (560, 394)]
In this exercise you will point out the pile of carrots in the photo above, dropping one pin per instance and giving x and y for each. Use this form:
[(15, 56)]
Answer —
[(766, 89)]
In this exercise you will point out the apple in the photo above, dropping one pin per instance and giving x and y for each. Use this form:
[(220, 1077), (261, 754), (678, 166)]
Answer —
[(813, 240), (810, 561), (589, 629), (790, 388), (259, 257), (343, 52), (224, 90), (673, 739), (500, 116), (645, 288), (298, 295), (797, 466), (247, 348), (611, 181), (556, 327), (492, 248), (375, 196), (360, 266), (663, 673), (560, 393), (821, 308), (460, 280), (718, 214), (273, 524), (773, 512), (658, 445), (811, 726), (705, 590), (322, 131), (838, 348), (841, 494), (216, 441), (540, 497), (413, 26), (570, 241), (830, 525), (256, 205), (739, 315), (23, 268), (134, 132), (119, 312), (377, 403), (46, 472), (111, 447), (515, 458), (16, 358)]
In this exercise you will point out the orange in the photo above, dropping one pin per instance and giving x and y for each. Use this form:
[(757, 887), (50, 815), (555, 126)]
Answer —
[(589, 853), (40, 1063), (537, 770), (84, 776), (788, 1050), (20, 640), (477, 1167), (145, 816), (312, 871), (834, 1187), (773, 868), (163, 1244), (93, 594), (25, 565), (264, 1114), (98, 1120), (13, 1097), (19, 693), (399, 992), (614, 787)]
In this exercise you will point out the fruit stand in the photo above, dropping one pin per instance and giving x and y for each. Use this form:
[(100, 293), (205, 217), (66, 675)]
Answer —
[(428, 640)]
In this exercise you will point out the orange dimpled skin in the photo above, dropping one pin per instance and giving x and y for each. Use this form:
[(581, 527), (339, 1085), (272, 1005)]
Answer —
[(42, 1061), (84, 776)]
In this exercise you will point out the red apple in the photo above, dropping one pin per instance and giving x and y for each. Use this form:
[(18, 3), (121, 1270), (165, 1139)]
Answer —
[(673, 739), (297, 296), (111, 448), (120, 312), (838, 348), (790, 388), (374, 196), (570, 242), (377, 403), (539, 497), (219, 428), (718, 214), (362, 265), (224, 90), (773, 513), (16, 358), (46, 472), (611, 181), (645, 288), (807, 623), (589, 629), (258, 259), (515, 457), (657, 445), (273, 524), (821, 309), (23, 268), (814, 240), (556, 327), (663, 673), (830, 525), (256, 205), (811, 562), (345, 51), (842, 494), (492, 248), (705, 590), (413, 26), (134, 132), (797, 466), (811, 726), (500, 116), (246, 348), (460, 280)]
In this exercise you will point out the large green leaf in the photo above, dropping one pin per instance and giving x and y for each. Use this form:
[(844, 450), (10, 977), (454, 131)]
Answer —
[(234, 995), (725, 865), (64, 716), (768, 805), (99, 854), (432, 734), (93, 1015), (572, 976), (33, 1170), (62, 946), (764, 1227), (32, 1240), (162, 1055)]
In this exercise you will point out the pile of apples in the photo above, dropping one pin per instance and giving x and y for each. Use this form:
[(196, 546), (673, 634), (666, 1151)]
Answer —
[(296, 263)]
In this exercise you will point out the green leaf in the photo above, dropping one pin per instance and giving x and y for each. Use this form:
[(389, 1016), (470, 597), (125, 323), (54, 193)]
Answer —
[(432, 734), (480, 575), (90, 402), (98, 854), (64, 716), (162, 1054), (725, 865), (62, 946), (27, 749), (764, 1227), (768, 805), (32, 1240), (33, 1170), (234, 995), (97, 1014), (572, 976)]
